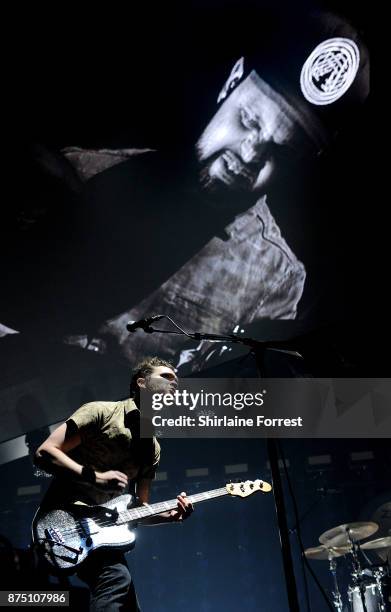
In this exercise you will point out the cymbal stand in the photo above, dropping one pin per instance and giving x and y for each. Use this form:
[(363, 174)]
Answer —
[(337, 599), (357, 571), (379, 574)]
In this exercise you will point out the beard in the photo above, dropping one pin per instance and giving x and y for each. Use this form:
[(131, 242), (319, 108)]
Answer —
[(225, 175), (228, 191)]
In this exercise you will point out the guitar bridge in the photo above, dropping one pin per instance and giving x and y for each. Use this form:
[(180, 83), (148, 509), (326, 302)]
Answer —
[(54, 536)]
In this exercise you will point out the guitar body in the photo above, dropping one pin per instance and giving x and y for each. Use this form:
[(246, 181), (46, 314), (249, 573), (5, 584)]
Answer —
[(66, 537)]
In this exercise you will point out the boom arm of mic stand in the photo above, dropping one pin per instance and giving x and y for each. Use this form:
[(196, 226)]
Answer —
[(256, 345)]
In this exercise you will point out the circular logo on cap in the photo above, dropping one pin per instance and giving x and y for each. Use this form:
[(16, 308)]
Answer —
[(330, 70)]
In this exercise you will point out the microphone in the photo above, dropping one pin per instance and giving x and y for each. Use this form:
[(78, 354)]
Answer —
[(131, 326)]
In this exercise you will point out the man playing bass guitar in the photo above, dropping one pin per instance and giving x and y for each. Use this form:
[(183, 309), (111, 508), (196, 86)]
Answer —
[(95, 456)]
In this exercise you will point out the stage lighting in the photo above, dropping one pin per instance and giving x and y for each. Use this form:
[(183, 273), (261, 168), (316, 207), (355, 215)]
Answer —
[(195, 472), (236, 468), (361, 456), (160, 476), (31, 490), (319, 463)]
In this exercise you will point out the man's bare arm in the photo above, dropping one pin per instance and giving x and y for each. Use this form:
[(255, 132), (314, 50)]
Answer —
[(53, 450), (53, 453)]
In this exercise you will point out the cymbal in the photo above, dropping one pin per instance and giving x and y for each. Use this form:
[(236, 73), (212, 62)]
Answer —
[(322, 553), (379, 543), (339, 536)]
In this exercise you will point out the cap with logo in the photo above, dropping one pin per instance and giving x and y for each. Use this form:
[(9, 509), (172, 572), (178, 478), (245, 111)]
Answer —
[(318, 68)]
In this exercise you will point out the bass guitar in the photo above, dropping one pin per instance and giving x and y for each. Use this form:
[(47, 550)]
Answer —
[(66, 536)]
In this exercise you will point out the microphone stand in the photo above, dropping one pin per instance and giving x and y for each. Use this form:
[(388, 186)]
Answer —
[(259, 348)]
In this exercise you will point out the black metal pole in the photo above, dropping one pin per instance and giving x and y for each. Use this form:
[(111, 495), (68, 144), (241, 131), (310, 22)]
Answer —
[(290, 580), (278, 493)]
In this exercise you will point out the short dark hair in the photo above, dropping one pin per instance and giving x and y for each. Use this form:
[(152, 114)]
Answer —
[(143, 369)]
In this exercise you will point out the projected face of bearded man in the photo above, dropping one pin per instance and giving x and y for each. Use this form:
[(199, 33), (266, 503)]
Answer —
[(250, 139)]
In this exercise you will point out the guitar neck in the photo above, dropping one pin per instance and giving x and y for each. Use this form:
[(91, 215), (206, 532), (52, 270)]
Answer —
[(153, 509)]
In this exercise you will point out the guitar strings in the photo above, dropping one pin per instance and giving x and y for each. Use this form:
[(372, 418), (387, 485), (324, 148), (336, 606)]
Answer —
[(107, 522)]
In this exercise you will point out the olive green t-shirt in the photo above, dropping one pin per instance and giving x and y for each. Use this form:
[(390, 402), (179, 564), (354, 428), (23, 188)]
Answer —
[(110, 440)]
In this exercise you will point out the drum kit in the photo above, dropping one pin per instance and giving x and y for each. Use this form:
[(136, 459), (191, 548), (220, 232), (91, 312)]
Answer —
[(367, 591)]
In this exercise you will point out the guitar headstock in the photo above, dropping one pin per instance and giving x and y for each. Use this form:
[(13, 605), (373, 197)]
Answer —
[(244, 489)]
